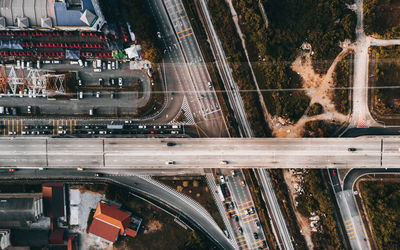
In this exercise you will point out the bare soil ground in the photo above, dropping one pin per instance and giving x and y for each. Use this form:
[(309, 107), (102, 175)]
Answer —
[(319, 89)]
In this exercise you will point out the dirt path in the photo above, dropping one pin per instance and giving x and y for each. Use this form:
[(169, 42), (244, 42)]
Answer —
[(318, 88), (242, 38), (301, 220)]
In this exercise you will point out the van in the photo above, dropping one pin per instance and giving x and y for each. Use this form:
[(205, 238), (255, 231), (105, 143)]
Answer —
[(98, 63), (1, 110), (81, 95), (91, 111)]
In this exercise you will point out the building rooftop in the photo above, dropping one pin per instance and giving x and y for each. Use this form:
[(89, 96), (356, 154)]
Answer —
[(53, 199), (19, 207), (109, 221)]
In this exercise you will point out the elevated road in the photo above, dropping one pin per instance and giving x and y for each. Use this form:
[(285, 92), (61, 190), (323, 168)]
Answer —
[(371, 152)]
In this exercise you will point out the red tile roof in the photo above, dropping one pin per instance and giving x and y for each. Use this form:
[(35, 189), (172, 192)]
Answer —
[(104, 230), (112, 215), (130, 232), (108, 221)]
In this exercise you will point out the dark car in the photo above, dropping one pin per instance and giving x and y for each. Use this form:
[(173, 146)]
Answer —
[(255, 236), (98, 175), (351, 149), (170, 144)]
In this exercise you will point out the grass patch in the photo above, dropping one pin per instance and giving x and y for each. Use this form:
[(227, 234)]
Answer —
[(320, 129), (386, 101), (273, 49), (382, 204), (234, 52), (282, 194), (315, 109), (316, 199), (382, 18), (342, 80)]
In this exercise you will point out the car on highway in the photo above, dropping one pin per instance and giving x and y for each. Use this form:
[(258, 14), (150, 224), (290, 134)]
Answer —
[(352, 149), (223, 162), (334, 172), (79, 169), (222, 178), (170, 144), (98, 174), (255, 235), (240, 230), (169, 162), (210, 85)]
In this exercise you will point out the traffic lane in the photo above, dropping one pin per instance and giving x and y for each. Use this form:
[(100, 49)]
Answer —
[(32, 160), (11, 145), (354, 174), (72, 146), (353, 223), (335, 179), (245, 209), (262, 146)]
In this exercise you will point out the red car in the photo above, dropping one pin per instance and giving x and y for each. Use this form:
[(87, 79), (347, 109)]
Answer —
[(11, 169), (334, 172)]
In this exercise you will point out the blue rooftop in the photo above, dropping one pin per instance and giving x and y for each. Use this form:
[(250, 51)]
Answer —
[(66, 17)]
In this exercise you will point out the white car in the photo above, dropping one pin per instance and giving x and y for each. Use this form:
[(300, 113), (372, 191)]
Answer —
[(223, 162), (222, 178), (169, 163), (120, 82)]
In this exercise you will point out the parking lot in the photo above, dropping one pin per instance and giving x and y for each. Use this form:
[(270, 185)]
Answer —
[(110, 93)]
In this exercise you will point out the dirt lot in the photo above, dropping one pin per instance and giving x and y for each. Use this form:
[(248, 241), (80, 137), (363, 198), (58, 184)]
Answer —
[(385, 76), (196, 188)]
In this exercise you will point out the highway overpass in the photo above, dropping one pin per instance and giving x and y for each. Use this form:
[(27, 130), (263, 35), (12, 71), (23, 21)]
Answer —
[(153, 153)]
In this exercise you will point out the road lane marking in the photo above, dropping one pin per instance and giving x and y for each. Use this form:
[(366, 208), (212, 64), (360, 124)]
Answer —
[(245, 207), (8, 127), (255, 247), (53, 127), (21, 127), (184, 30), (240, 236), (251, 219), (257, 242), (230, 211), (57, 126), (350, 228), (74, 125), (4, 127), (70, 127), (241, 240), (347, 221), (244, 203), (352, 237), (17, 126), (186, 35), (351, 233)]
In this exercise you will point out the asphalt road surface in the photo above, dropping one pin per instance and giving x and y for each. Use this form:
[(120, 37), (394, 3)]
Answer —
[(371, 152)]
